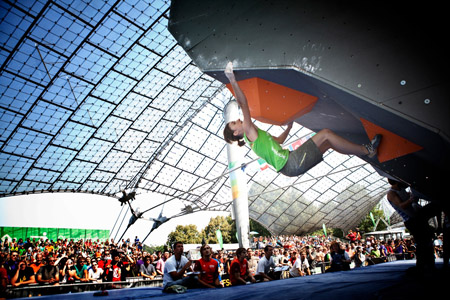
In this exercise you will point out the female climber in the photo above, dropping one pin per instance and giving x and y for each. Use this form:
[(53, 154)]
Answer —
[(269, 148)]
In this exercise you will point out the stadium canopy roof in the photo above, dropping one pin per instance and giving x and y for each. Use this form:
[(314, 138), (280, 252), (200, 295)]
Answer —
[(98, 97)]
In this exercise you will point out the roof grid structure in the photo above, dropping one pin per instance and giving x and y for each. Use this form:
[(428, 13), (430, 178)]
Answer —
[(96, 96)]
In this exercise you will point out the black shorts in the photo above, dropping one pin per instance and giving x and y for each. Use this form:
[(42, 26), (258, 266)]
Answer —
[(302, 159)]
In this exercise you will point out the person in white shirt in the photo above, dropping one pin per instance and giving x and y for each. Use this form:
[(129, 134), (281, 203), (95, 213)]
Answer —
[(175, 268), (299, 267), (265, 264), (95, 273)]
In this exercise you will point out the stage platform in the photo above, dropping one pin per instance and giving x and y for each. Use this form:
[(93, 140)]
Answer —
[(382, 281)]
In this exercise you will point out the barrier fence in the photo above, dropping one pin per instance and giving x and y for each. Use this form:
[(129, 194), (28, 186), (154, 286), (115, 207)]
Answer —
[(33, 290)]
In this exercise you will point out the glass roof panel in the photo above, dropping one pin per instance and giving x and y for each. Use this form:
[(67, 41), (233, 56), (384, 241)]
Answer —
[(97, 96)]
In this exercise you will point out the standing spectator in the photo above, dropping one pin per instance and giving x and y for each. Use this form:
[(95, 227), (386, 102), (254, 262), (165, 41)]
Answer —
[(5, 246), (13, 246), (48, 273), (390, 247), (147, 270), (24, 275), (399, 249), (351, 236), (410, 249)]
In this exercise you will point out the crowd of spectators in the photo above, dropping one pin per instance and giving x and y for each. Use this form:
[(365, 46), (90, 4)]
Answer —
[(59, 262)]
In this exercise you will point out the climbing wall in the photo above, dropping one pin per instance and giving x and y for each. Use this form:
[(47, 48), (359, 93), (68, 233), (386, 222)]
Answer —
[(369, 66)]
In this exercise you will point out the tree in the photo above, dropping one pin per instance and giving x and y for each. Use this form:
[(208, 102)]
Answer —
[(186, 234), (219, 222), (366, 224)]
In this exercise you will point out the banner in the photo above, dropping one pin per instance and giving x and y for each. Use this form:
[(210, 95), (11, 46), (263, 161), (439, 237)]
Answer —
[(371, 217), (324, 230), (219, 238), (52, 233)]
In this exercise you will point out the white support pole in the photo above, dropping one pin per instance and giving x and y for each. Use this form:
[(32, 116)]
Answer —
[(238, 181)]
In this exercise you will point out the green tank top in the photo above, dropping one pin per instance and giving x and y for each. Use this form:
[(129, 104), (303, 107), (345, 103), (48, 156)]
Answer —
[(268, 149)]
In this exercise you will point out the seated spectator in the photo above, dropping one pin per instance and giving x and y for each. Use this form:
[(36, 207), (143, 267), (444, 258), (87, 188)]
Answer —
[(320, 256), (239, 271), (81, 273), (383, 249), (253, 259), (128, 268), (147, 270), (3, 277), (277, 256), (208, 268), (12, 265), (160, 263), (48, 273), (67, 271), (305, 263), (410, 249), (285, 260), (95, 273), (265, 264), (311, 257), (37, 263), (340, 261), (88, 262), (175, 268), (359, 258), (296, 270), (24, 275), (114, 268), (375, 251)]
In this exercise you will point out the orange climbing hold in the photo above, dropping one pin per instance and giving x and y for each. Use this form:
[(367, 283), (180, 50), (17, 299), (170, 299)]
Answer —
[(272, 103), (392, 145)]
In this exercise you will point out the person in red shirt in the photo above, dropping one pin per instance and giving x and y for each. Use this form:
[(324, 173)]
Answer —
[(351, 236), (239, 273), (208, 268)]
